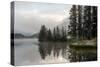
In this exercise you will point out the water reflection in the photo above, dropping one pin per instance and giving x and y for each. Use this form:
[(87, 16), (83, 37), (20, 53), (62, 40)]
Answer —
[(46, 48), (70, 54), (30, 51), (83, 54)]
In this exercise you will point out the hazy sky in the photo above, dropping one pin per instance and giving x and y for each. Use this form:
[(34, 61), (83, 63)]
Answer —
[(29, 16)]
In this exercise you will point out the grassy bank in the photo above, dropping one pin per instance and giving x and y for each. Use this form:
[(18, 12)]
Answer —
[(84, 44)]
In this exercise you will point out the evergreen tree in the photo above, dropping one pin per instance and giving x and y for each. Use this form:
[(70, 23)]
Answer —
[(49, 35), (43, 34), (58, 34), (54, 34), (79, 21), (63, 35), (94, 21), (87, 22), (83, 22), (73, 22)]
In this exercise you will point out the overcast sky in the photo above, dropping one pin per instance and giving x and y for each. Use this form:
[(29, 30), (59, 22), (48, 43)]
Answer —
[(29, 16)]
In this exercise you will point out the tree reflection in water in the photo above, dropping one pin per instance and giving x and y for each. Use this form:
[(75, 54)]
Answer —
[(45, 49), (83, 54), (68, 53)]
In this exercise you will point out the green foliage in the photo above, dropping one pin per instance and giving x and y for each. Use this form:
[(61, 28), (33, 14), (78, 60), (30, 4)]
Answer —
[(49, 36), (63, 38), (73, 23), (83, 22), (55, 35), (43, 33)]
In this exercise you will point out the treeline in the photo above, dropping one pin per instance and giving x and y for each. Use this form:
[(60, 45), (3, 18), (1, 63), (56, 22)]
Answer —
[(56, 35), (83, 22)]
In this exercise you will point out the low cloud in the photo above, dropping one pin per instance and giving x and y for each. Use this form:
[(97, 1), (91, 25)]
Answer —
[(30, 16)]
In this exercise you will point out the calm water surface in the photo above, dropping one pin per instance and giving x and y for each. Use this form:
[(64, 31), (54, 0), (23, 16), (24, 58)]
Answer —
[(30, 51)]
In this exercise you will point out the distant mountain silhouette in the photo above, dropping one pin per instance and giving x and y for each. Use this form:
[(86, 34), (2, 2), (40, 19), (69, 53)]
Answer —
[(19, 35)]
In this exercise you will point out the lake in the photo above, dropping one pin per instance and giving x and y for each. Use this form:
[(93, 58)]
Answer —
[(30, 51)]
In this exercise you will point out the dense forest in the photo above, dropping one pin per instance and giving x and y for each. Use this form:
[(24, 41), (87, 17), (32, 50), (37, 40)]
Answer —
[(83, 22), (83, 26), (55, 35)]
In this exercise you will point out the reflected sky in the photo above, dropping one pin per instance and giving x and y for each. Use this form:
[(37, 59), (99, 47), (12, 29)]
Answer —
[(30, 51)]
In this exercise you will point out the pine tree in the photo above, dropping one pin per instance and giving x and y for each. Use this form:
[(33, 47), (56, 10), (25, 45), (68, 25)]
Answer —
[(49, 36), (87, 22), (83, 22), (58, 34), (54, 34), (43, 34), (94, 21), (79, 21), (63, 35), (73, 23)]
